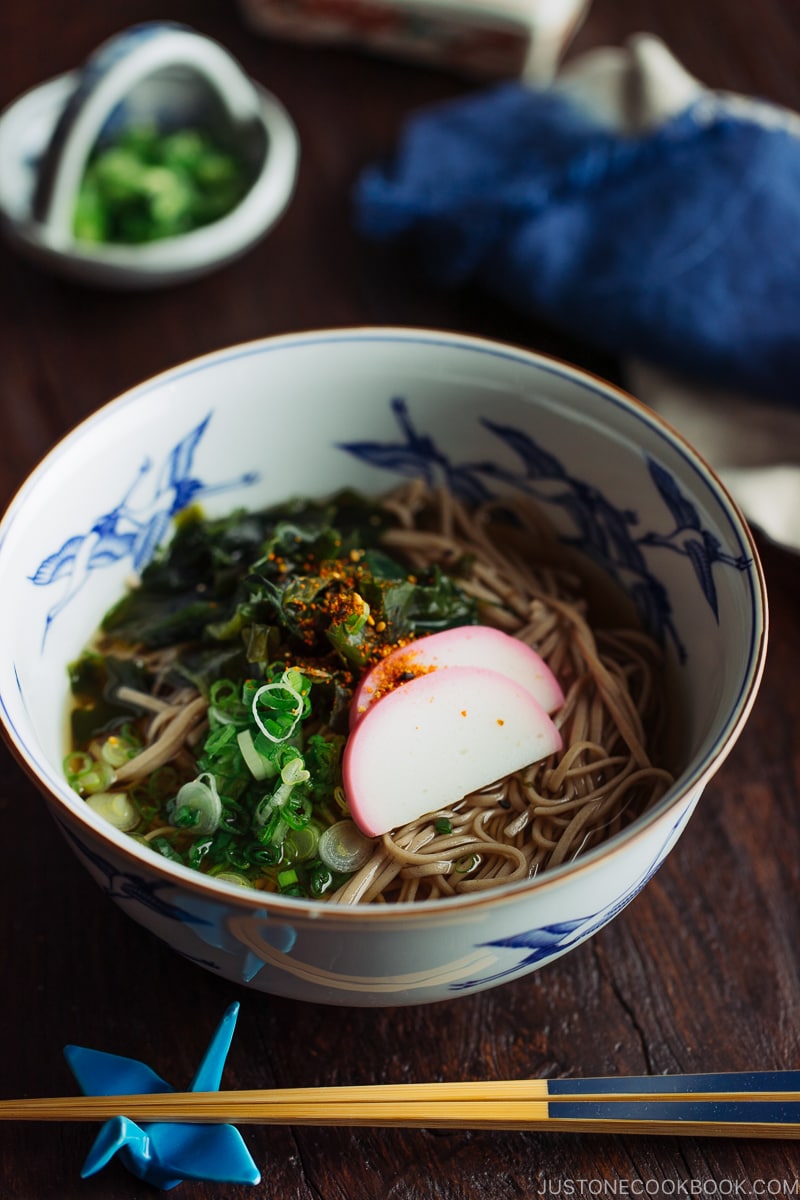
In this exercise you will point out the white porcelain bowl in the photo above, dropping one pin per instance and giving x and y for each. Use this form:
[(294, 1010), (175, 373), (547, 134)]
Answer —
[(313, 412)]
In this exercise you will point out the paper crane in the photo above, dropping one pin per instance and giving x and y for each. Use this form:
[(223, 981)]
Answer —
[(160, 1153)]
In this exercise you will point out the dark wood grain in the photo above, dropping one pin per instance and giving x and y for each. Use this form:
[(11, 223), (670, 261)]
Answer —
[(700, 973)]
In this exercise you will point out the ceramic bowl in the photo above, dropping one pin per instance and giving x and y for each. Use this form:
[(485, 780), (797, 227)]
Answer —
[(162, 74), (260, 422)]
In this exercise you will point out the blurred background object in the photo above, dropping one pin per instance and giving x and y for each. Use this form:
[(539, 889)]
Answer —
[(477, 37), (155, 161)]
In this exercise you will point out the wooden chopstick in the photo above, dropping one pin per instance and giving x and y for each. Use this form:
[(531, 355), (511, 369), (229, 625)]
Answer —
[(766, 1106)]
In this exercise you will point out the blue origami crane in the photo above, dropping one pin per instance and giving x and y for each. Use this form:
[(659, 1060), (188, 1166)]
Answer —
[(160, 1153)]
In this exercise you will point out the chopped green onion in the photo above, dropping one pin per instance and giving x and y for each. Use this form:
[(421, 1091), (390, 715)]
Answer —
[(77, 765), (116, 808), (301, 844), (265, 818), (320, 880), (282, 698), (271, 829), (150, 184), (258, 766), (164, 847), (266, 856), (199, 796), (272, 810), (236, 858), (344, 848), (232, 877), (117, 750), (466, 864), (293, 772), (225, 703), (290, 884), (86, 775), (198, 851), (297, 811)]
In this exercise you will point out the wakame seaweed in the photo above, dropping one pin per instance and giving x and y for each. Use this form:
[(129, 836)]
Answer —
[(285, 575)]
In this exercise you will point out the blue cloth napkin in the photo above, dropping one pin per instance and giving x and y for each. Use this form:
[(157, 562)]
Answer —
[(679, 245)]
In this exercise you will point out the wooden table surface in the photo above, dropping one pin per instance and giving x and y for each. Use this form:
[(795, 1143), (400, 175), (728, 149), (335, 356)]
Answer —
[(699, 973)]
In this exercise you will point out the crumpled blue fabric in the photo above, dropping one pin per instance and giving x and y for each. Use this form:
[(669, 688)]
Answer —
[(679, 246)]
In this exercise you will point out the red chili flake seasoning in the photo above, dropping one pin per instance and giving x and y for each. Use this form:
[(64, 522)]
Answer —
[(402, 669), (338, 603)]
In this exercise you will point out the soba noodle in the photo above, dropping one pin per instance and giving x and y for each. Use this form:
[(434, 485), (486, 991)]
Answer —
[(538, 818)]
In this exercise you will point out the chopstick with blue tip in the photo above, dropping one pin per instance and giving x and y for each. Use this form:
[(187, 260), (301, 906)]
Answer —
[(762, 1104)]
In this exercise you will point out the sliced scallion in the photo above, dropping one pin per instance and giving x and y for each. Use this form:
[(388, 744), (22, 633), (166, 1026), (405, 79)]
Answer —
[(301, 844), (344, 848), (283, 698), (116, 808), (116, 750), (201, 797), (86, 775), (232, 877), (258, 766), (96, 780)]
